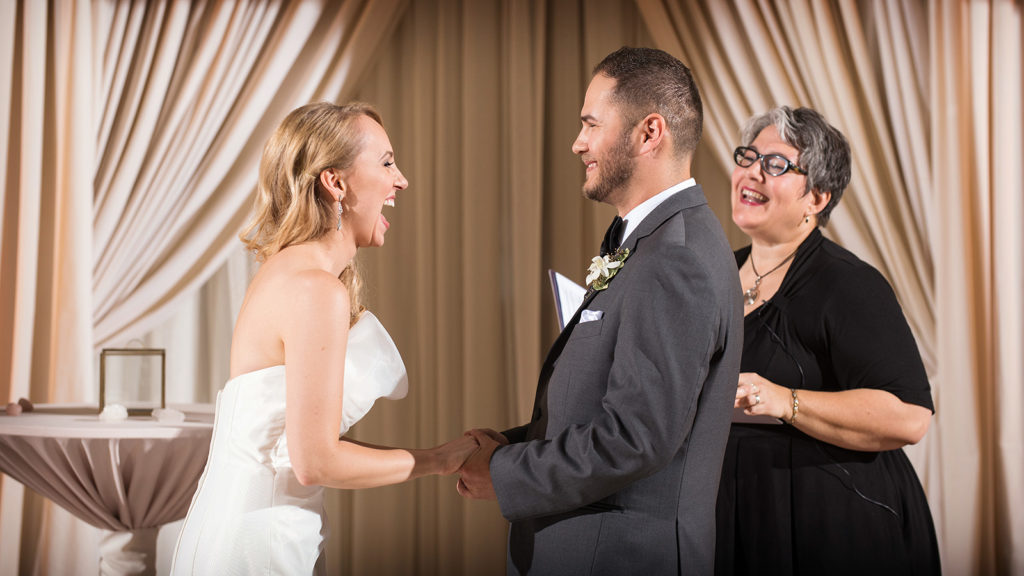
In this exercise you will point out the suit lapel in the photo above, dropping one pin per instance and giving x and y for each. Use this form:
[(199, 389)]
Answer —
[(688, 198)]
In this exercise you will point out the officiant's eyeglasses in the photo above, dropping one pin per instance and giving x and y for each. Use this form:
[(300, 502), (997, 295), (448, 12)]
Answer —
[(772, 164)]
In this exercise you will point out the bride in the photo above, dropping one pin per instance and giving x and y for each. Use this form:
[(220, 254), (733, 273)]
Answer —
[(306, 358)]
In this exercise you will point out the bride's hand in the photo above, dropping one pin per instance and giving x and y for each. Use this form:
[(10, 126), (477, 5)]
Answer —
[(481, 433), (451, 455)]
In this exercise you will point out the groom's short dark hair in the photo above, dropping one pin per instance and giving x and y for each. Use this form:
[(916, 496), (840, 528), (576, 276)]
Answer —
[(648, 80)]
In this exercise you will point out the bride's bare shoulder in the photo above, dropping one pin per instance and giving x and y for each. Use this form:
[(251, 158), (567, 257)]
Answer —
[(289, 300), (298, 286)]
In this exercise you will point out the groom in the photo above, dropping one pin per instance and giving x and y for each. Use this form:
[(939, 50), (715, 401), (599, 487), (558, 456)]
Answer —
[(617, 471)]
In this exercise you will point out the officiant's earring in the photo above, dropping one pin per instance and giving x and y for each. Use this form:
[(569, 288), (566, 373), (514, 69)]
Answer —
[(340, 212)]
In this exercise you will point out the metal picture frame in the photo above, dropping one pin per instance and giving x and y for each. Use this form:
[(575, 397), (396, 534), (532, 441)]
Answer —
[(130, 377)]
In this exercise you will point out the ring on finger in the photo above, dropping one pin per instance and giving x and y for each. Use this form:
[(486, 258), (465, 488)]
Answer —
[(757, 399)]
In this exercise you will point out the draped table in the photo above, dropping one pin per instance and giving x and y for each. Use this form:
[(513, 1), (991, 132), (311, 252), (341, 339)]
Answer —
[(127, 478)]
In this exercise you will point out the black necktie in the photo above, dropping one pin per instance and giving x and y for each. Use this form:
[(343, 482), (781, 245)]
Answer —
[(612, 237)]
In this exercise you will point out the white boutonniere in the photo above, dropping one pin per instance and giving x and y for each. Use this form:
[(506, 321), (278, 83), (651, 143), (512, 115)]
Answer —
[(603, 268)]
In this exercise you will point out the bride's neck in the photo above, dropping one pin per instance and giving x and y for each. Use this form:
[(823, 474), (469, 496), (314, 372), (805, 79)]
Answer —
[(332, 253)]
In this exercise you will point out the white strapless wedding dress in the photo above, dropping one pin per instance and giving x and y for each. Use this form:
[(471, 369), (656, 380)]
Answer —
[(250, 515)]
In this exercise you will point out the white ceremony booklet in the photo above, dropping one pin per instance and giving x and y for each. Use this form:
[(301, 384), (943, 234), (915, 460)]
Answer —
[(569, 296)]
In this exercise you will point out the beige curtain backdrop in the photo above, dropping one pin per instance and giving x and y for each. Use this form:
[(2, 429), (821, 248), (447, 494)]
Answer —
[(929, 94), (190, 92), (124, 115), (977, 117)]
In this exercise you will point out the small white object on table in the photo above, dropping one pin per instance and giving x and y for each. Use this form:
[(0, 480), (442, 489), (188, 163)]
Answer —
[(128, 477)]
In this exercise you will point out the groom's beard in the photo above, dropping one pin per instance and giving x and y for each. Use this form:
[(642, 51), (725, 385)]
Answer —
[(616, 169)]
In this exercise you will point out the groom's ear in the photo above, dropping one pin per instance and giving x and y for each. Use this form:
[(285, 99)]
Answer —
[(653, 129)]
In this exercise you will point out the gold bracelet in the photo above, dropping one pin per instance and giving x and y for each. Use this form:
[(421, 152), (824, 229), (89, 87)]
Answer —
[(796, 407)]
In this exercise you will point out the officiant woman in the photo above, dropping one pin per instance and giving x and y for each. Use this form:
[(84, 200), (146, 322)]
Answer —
[(825, 487)]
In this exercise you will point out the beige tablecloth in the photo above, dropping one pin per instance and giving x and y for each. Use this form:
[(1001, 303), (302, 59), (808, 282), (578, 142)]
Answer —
[(128, 477), (119, 476)]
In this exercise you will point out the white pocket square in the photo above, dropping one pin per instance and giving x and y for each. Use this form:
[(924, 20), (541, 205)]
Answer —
[(590, 315)]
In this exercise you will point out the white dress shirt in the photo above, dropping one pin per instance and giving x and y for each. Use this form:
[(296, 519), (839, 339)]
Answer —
[(634, 217)]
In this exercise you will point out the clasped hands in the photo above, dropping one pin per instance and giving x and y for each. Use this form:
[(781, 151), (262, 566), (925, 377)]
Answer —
[(475, 472)]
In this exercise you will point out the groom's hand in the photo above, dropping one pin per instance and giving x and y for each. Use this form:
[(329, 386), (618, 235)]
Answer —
[(475, 475)]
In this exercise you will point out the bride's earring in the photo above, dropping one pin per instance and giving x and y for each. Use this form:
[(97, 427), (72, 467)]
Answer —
[(340, 212)]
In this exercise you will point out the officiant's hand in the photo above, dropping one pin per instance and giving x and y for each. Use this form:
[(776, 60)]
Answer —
[(475, 475), (759, 396)]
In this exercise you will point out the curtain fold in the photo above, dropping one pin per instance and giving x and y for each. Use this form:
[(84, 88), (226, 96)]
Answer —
[(522, 177), (976, 117), (213, 80), (45, 255)]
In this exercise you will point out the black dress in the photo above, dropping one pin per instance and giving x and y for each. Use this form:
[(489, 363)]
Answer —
[(790, 504)]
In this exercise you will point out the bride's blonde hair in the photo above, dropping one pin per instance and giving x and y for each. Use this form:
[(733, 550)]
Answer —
[(291, 206)]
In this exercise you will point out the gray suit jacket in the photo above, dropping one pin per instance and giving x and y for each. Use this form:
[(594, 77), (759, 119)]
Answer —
[(617, 472)]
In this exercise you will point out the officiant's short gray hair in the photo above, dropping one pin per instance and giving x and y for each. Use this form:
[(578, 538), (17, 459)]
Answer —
[(648, 80), (823, 150)]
